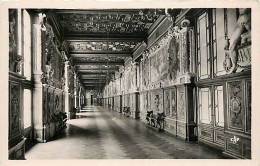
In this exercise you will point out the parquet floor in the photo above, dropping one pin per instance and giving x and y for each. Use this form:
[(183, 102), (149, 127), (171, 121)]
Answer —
[(99, 133)]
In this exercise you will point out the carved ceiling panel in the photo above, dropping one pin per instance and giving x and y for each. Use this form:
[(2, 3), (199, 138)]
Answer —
[(103, 22), (102, 46)]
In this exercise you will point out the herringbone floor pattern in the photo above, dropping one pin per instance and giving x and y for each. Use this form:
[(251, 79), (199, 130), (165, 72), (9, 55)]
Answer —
[(99, 133)]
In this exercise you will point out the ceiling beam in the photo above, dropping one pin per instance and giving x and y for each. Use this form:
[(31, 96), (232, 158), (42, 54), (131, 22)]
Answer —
[(94, 71), (90, 81), (93, 78), (91, 74), (82, 36), (88, 76), (93, 85), (98, 63), (102, 39), (81, 68), (99, 55)]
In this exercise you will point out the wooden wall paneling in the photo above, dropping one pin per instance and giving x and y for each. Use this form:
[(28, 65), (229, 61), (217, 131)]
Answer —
[(181, 112), (143, 105), (16, 142), (167, 104), (170, 104), (219, 137), (15, 111), (237, 133), (156, 99), (235, 106), (248, 105)]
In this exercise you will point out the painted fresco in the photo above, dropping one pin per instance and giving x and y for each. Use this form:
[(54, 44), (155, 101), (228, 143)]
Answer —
[(159, 64), (174, 58)]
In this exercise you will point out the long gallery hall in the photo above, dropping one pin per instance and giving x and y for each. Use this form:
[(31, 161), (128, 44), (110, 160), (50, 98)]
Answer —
[(129, 83)]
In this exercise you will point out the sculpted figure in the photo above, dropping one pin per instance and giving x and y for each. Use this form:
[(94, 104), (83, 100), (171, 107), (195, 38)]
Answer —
[(47, 73), (243, 23)]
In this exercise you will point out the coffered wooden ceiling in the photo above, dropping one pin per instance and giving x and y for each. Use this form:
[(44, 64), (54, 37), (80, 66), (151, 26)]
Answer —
[(99, 41)]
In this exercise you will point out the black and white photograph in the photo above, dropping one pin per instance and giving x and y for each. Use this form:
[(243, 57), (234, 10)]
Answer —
[(140, 82)]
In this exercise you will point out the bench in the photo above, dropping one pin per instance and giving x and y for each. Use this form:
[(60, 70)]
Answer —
[(155, 120), (126, 111)]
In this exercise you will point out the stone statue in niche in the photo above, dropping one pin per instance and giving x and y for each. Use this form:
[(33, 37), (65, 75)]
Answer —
[(47, 73), (239, 54)]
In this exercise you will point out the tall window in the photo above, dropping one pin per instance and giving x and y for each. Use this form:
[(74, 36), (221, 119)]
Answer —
[(27, 108), (203, 46), (27, 45), (219, 40), (212, 36), (214, 29)]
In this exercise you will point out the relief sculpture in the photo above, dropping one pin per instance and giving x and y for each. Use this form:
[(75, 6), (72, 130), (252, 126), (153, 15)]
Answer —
[(238, 53)]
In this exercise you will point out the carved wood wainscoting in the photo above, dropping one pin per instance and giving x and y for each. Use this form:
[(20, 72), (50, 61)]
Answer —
[(224, 115), (180, 112), (238, 118), (144, 100), (117, 103), (16, 141), (170, 109), (53, 104), (224, 81), (156, 100)]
